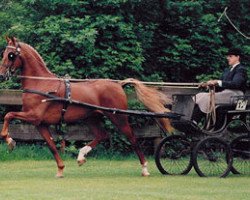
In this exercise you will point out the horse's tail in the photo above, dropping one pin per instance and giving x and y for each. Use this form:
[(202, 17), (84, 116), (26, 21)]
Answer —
[(153, 99)]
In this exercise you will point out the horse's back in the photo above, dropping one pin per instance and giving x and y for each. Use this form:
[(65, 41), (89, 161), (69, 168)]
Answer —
[(100, 92)]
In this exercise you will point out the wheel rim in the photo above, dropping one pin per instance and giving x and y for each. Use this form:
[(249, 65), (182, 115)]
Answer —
[(212, 157), (173, 155), (241, 155)]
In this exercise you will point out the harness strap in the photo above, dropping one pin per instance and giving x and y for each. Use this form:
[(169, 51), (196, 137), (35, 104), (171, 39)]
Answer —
[(45, 94), (67, 96), (59, 127)]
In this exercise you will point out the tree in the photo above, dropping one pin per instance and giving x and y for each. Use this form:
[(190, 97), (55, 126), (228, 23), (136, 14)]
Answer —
[(167, 40)]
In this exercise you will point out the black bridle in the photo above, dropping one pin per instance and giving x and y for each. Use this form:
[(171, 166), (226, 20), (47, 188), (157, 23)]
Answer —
[(12, 56)]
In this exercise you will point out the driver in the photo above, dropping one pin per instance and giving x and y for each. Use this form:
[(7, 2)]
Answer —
[(232, 83)]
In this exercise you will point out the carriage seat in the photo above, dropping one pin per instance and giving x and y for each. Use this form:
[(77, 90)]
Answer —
[(184, 104), (237, 105)]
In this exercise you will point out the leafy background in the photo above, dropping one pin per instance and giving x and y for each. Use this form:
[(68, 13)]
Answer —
[(153, 40)]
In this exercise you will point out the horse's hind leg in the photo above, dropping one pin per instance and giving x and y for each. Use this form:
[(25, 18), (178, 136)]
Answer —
[(121, 121), (95, 124)]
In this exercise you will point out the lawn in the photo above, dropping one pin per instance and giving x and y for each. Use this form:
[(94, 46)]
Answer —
[(107, 179)]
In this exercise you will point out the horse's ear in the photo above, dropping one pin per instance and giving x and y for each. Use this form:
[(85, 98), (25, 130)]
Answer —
[(8, 40), (11, 40), (14, 41)]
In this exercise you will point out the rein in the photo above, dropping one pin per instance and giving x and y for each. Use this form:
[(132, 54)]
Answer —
[(211, 115), (163, 84)]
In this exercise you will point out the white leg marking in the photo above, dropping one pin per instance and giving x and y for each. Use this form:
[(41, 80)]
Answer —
[(83, 152), (11, 144), (145, 169), (9, 140)]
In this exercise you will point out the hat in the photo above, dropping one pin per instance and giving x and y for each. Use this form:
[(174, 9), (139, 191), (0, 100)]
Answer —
[(234, 51)]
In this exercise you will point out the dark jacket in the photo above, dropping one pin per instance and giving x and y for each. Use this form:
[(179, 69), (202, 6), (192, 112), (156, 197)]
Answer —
[(235, 79)]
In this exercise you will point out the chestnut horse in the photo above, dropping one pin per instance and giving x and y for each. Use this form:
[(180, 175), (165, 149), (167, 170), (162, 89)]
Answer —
[(97, 92)]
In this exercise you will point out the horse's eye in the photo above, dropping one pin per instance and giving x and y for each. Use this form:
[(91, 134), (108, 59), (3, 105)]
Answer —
[(11, 56)]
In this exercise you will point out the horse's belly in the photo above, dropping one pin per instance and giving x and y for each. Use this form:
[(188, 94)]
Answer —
[(52, 116), (75, 113)]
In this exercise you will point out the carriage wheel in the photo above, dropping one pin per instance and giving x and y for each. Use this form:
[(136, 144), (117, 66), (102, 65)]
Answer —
[(241, 154), (212, 157), (173, 155)]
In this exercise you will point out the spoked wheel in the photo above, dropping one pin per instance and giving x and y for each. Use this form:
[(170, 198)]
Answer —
[(173, 155), (212, 157), (241, 154)]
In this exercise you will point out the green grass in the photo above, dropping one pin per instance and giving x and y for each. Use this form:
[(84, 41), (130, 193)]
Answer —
[(107, 179)]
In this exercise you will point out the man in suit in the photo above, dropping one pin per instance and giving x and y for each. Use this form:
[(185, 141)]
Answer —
[(232, 83)]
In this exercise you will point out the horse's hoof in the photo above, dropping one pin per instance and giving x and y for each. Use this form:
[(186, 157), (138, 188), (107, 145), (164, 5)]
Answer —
[(59, 173), (11, 145), (59, 176), (145, 174), (81, 162)]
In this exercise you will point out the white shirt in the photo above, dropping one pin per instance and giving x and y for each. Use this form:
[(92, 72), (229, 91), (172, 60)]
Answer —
[(232, 67)]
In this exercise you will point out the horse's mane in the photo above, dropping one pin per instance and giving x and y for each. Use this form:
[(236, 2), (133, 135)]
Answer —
[(31, 51)]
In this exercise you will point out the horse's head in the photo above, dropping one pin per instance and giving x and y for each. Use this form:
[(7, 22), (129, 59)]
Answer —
[(11, 59)]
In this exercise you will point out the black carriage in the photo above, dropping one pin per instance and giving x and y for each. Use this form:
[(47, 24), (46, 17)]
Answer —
[(212, 151)]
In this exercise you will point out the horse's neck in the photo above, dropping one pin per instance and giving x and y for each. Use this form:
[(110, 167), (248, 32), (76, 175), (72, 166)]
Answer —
[(34, 66), (29, 80)]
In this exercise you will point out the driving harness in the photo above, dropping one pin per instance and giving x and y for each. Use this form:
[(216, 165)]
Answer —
[(50, 95)]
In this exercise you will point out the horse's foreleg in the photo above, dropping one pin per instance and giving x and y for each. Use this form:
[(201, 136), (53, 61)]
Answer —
[(44, 131), (14, 115), (5, 131)]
